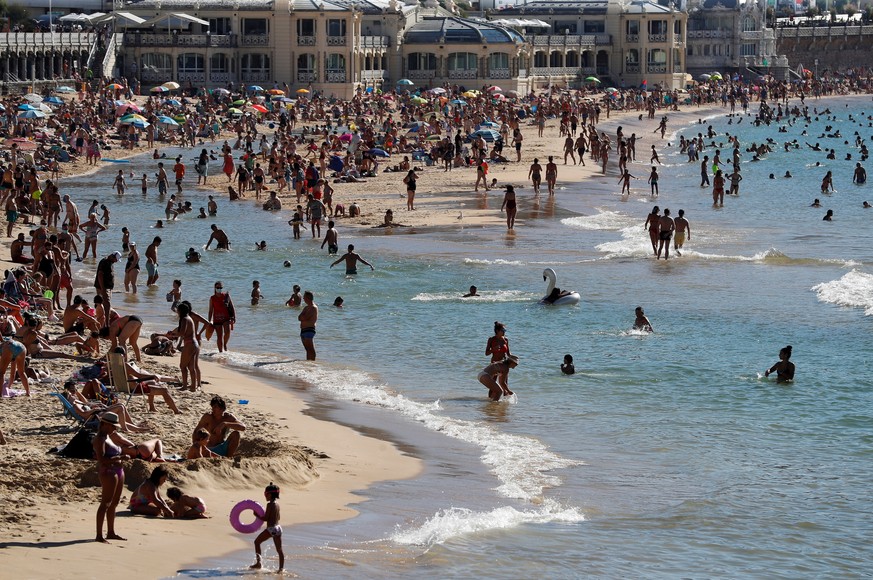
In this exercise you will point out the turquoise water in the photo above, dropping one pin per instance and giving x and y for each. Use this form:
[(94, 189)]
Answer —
[(666, 455)]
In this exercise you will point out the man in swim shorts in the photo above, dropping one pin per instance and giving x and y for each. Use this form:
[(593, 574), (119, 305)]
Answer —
[(223, 243), (225, 430), (308, 318), (666, 228), (331, 238), (152, 261), (683, 228), (352, 260)]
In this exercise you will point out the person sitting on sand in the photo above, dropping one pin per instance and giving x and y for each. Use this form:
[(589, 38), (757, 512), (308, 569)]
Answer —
[(199, 449), (147, 500), (148, 383), (225, 430), (88, 409), (186, 507)]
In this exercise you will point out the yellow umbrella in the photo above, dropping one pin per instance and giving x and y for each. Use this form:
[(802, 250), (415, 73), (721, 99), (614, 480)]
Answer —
[(302, 91)]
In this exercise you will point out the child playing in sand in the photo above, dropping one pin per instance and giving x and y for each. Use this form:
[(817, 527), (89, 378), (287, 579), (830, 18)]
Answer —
[(199, 449), (273, 528), (186, 507), (256, 292)]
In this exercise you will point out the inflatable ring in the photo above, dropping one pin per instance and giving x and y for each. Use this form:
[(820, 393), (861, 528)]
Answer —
[(238, 509)]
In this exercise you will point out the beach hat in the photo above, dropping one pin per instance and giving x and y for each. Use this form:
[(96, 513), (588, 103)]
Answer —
[(117, 254), (132, 243), (109, 417)]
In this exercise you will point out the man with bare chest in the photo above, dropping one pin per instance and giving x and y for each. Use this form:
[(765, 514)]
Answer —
[(225, 430)]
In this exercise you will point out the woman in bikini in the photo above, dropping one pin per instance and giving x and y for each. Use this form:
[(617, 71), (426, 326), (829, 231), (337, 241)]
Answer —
[(498, 345), (111, 474), (131, 269), (784, 369), (13, 355), (496, 375), (123, 330), (92, 229), (510, 205), (147, 500), (653, 224), (189, 360)]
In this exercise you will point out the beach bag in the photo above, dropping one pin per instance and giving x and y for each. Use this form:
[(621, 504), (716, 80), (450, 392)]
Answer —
[(81, 446)]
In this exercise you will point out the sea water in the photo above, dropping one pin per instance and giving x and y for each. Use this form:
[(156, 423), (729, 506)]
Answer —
[(666, 455)]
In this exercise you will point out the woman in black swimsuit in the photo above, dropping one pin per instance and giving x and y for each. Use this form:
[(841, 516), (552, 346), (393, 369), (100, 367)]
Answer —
[(131, 269), (409, 180), (784, 368), (509, 204), (124, 329)]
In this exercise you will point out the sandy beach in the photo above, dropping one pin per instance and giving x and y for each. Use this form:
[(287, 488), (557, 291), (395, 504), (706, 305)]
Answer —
[(51, 501)]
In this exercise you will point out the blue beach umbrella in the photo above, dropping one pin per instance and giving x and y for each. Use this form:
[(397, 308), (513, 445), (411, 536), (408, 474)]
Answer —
[(53, 100), (165, 120), (65, 89), (416, 126), (488, 125), (405, 83), (379, 152), (31, 114), (256, 88), (459, 102), (174, 102), (26, 107), (487, 134)]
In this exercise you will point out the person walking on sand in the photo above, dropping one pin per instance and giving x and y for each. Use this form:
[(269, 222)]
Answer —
[(308, 318), (653, 224), (351, 260), (151, 255), (666, 226), (683, 229), (535, 174)]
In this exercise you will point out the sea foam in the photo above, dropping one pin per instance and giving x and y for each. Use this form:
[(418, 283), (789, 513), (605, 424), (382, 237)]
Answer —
[(854, 289)]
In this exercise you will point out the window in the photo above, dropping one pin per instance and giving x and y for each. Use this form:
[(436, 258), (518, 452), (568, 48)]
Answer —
[(657, 27), (253, 26), (705, 50), (633, 56), (498, 60), (657, 56), (572, 59), (677, 27), (306, 27), (568, 26), (541, 59), (632, 26), (463, 61), (156, 63), (594, 27), (255, 62), (421, 61), (219, 26), (190, 63), (749, 24), (306, 63), (219, 63), (336, 63), (556, 59), (336, 27), (748, 49), (690, 50)]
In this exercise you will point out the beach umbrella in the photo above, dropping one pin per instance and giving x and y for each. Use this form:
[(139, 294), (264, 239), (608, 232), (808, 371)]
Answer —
[(419, 100), (33, 97), (434, 138), (487, 134), (114, 87), (276, 92), (379, 153), (495, 89), (44, 108), (31, 114), (132, 117), (336, 163), (53, 100), (405, 83), (234, 111), (180, 118), (611, 90), (438, 91), (174, 102), (459, 102), (165, 120), (127, 108), (715, 76), (65, 89), (26, 107), (388, 97), (239, 102), (593, 80), (259, 108), (256, 88), (498, 97), (488, 125), (159, 90), (221, 91), (302, 91), (416, 126), (171, 85), (704, 77)]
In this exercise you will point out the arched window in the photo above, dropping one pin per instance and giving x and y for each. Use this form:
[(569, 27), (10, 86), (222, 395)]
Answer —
[(556, 59), (190, 62), (540, 59), (633, 56), (255, 63), (749, 24), (572, 59), (219, 63), (306, 72), (498, 60), (335, 68), (156, 66), (463, 61), (421, 61)]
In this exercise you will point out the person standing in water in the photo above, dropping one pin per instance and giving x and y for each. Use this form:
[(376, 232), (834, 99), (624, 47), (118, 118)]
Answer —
[(352, 259), (784, 369), (683, 230), (496, 377), (308, 319), (653, 221), (666, 226)]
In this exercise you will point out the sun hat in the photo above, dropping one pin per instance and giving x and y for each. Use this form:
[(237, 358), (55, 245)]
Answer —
[(109, 417), (117, 254)]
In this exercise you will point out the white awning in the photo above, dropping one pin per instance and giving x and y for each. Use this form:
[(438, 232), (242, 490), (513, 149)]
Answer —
[(122, 17), (175, 20)]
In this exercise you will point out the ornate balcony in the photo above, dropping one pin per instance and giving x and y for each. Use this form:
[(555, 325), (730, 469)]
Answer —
[(553, 71), (256, 76), (336, 40), (193, 76), (255, 40), (221, 78), (335, 76), (420, 74), (307, 77), (656, 68), (372, 75), (464, 74), (499, 73), (179, 39), (632, 38), (305, 41), (657, 38), (374, 42), (632, 68)]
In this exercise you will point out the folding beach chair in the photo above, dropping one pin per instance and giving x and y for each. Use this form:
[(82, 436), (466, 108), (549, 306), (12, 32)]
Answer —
[(71, 413), (118, 376)]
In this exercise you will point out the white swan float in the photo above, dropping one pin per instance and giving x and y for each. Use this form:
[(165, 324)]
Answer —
[(567, 297)]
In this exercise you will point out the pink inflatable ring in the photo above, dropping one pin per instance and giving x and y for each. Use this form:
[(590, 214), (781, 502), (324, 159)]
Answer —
[(246, 505)]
